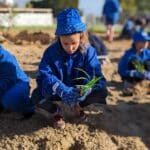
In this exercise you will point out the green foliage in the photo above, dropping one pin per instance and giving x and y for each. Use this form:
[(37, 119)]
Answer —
[(90, 83), (133, 6), (84, 72), (56, 5), (129, 5), (139, 66), (144, 5)]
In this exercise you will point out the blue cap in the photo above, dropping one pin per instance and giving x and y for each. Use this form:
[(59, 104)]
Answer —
[(141, 37), (69, 22)]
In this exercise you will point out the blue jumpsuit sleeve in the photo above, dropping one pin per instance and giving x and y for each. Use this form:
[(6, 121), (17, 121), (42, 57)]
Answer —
[(49, 79), (123, 66), (7, 76), (93, 66)]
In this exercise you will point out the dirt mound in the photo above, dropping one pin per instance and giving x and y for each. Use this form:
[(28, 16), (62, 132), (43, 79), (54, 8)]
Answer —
[(26, 37), (121, 125)]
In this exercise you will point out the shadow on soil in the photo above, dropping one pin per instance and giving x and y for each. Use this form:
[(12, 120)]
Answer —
[(123, 119)]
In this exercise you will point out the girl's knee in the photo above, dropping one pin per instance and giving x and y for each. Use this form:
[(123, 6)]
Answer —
[(9, 103), (17, 102), (36, 96), (103, 92)]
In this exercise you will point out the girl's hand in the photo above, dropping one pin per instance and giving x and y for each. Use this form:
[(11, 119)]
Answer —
[(147, 75), (84, 96), (137, 74)]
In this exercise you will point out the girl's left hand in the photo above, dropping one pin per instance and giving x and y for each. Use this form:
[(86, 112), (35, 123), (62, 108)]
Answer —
[(82, 98), (147, 75)]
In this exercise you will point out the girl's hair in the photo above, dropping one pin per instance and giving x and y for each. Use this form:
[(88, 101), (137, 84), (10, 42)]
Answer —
[(84, 42), (133, 45)]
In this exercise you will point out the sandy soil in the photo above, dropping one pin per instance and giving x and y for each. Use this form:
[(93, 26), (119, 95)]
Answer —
[(122, 125)]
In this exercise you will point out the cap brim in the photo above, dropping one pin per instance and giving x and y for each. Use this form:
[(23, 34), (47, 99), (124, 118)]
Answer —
[(70, 29), (141, 40)]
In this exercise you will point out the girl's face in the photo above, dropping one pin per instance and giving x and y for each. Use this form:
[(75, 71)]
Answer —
[(70, 43), (141, 45)]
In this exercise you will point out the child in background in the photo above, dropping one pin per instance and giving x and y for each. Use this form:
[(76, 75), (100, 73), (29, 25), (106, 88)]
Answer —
[(111, 12), (57, 69), (141, 23), (149, 41), (14, 86), (129, 28), (134, 66), (132, 25)]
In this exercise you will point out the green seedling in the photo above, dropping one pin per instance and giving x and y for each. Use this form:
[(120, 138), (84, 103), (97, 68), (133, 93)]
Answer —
[(139, 66), (90, 83)]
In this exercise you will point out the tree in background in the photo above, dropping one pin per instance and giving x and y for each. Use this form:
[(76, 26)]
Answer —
[(56, 5), (129, 5), (135, 6), (144, 5)]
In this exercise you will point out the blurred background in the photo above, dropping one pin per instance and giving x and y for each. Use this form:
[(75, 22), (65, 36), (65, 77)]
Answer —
[(42, 13), (27, 28)]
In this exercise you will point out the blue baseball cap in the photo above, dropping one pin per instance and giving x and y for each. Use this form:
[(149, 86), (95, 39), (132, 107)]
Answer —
[(141, 37), (69, 22)]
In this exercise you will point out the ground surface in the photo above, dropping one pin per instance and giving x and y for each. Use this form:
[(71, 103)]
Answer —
[(123, 125)]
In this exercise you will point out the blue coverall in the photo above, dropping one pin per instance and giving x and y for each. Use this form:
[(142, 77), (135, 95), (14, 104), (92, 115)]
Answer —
[(14, 85), (123, 67), (58, 66)]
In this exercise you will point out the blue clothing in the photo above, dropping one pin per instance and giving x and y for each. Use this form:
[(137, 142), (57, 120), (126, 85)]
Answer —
[(17, 98), (123, 67), (58, 66), (111, 11), (98, 44), (69, 21), (140, 37), (14, 83), (128, 29)]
